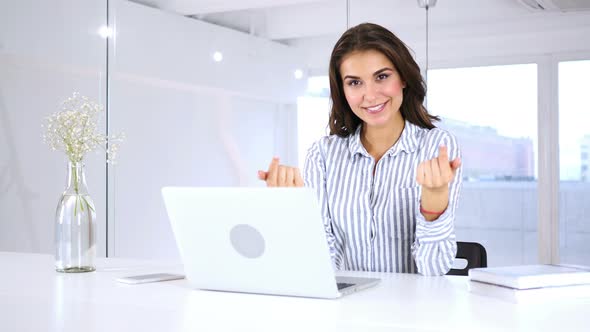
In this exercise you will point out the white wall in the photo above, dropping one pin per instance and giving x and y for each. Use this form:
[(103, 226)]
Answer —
[(189, 120), (47, 51)]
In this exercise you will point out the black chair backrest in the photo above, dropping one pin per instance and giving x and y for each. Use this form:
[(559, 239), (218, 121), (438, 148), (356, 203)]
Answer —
[(474, 253)]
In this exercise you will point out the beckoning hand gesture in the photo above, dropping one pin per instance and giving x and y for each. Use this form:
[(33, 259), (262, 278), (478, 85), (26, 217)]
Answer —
[(436, 174), (281, 175)]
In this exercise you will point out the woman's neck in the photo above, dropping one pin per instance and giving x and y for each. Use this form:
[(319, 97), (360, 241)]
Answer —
[(378, 140)]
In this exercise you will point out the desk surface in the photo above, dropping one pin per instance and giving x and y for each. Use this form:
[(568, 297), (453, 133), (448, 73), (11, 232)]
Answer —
[(33, 297)]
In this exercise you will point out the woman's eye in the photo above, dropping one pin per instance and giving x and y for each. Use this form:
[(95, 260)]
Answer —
[(354, 82), (381, 77)]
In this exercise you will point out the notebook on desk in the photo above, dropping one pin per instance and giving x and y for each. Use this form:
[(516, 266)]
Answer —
[(531, 295), (532, 276), (255, 240)]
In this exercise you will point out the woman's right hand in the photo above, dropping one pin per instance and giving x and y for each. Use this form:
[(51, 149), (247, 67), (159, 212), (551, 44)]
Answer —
[(281, 175)]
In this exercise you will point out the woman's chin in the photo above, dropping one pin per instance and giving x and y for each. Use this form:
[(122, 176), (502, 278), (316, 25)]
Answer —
[(383, 121)]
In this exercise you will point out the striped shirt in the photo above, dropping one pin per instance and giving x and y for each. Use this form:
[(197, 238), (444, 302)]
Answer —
[(373, 222)]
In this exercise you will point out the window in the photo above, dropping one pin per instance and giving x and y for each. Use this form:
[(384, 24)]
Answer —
[(492, 111), (574, 148)]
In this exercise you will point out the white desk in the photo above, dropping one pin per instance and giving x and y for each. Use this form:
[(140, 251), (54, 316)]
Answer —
[(33, 297)]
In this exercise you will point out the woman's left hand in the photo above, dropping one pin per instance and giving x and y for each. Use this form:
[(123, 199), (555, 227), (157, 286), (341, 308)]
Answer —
[(436, 174)]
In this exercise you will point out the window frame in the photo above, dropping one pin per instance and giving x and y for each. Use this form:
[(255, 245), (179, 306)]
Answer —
[(547, 137)]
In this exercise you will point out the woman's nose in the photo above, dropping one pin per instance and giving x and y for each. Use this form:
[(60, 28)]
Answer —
[(371, 92)]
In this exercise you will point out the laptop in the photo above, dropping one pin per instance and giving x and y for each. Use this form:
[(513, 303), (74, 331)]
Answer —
[(255, 240)]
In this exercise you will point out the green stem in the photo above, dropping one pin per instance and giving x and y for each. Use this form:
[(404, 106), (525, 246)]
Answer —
[(76, 185), (88, 204), (81, 206)]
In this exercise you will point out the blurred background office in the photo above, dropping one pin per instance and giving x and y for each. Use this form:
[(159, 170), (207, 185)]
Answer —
[(208, 91)]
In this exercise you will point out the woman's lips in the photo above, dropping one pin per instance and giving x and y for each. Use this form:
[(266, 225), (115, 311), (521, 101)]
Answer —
[(376, 109)]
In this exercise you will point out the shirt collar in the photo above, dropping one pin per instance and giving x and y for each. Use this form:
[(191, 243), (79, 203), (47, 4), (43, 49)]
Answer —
[(408, 141), (354, 143)]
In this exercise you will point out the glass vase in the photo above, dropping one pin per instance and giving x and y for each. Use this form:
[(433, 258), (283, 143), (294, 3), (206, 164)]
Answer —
[(75, 228)]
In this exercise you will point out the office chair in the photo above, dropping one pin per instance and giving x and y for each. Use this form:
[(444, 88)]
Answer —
[(474, 253)]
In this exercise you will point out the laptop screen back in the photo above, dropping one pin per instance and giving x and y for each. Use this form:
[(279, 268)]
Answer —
[(256, 240)]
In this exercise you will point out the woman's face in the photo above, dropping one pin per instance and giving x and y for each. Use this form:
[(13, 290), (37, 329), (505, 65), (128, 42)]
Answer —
[(373, 88)]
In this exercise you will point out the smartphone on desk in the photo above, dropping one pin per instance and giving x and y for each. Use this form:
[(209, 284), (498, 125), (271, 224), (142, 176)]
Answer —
[(154, 277)]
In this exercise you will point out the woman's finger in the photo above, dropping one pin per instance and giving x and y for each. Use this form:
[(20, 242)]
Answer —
[(271, 178), (435, 173), (281, 181), (420, 173), (443, 154), (298, 178), (290, 178), (262, 175), (427, 174), (456, 163), (446, 173)]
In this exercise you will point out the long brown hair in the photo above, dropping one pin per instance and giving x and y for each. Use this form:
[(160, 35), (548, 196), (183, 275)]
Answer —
[(369, 36)]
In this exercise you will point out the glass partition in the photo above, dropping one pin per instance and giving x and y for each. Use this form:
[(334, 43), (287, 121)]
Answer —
[(48, 50), (201, 105)]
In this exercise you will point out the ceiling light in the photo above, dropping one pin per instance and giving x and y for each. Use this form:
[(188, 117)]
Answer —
[(105, 31), (426, 3), (298, 73), (217, 56)]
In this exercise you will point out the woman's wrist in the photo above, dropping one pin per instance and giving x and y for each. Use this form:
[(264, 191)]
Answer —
[(434, 213), (433, 203)]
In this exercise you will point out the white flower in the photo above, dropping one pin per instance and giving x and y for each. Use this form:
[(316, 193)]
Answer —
[(74, 130)]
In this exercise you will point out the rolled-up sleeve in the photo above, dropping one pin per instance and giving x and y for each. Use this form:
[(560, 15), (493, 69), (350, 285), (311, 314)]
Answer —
[(435, 247)]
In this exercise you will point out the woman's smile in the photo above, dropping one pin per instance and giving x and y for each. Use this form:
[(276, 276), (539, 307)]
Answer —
[(376, 109)]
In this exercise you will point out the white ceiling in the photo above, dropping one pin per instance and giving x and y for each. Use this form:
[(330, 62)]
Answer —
[(459, 30), (192, 7), (293, 20)]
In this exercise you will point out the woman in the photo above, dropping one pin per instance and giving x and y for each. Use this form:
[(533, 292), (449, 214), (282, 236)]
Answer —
[(386, 178)]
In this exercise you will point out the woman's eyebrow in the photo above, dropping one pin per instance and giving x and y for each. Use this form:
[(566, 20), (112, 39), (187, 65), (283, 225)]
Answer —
[(351, 77), (374, 74), (381, 70)]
